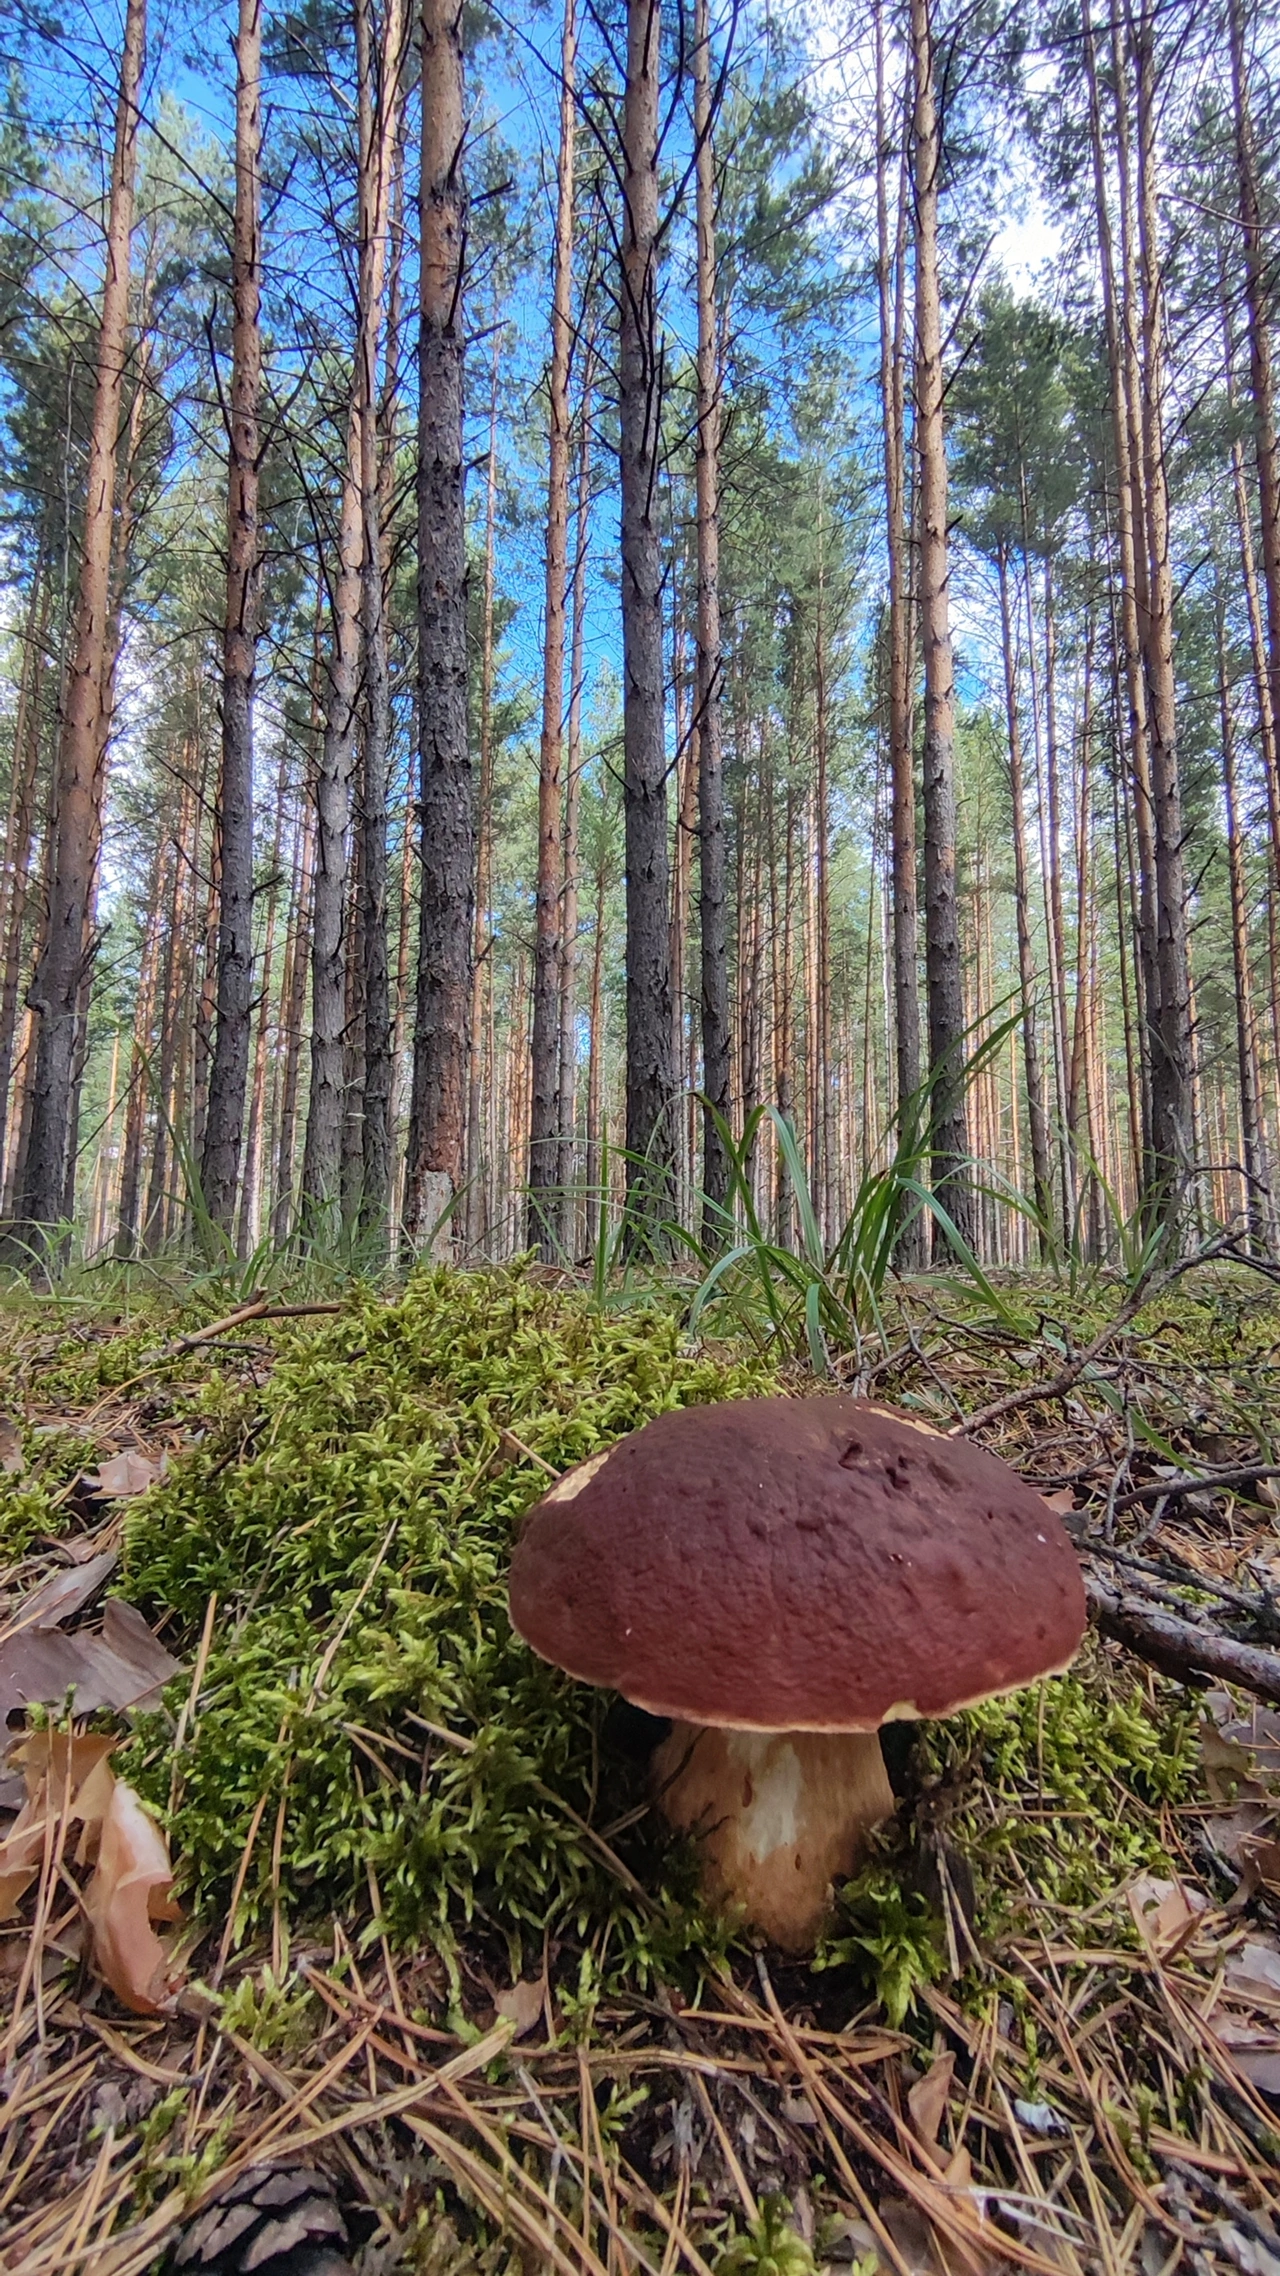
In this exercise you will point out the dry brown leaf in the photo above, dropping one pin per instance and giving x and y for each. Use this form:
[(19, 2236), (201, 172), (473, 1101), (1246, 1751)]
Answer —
[(66, 1779), (1255, 1969), (1255, 2053), (1260, 1857), (124, 1474), (64, 1594), (1166, 1913), (522, 2005), (12, 1459), (122, 1666), (131, 1888), (927, 2100), (1064, 1500)]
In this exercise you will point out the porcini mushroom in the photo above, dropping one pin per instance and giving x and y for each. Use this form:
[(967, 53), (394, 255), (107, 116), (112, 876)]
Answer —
[(780, 1578)]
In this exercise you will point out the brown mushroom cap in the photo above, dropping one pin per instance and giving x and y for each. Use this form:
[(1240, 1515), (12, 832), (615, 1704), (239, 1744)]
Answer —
[(797, 1564)]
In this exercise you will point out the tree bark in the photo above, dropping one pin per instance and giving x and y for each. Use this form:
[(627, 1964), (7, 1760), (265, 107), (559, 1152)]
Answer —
[(942, 930), (220, 1164), (56, 985), (479, 1165), (1172, 1121), (572, 810), (650, 1075), (1258, 280), (20, 830), (1117, 300), (334, 780), (545, 1123), (1258, 1215), (1037, 1120), (890, 259), (440, 1045), (379, 126), (712, 857)]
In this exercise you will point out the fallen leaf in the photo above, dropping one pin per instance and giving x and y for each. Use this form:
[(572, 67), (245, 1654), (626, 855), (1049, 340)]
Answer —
[(1166, 1913), (1255, 2053), (68, 1780), (131, 1888), (522, 2005), (1064, 1501), (124, 1474), (12, 1459), (927, 2100), (1232, 1837), (40, 1666), (1248, 2253), (1261, 1859), (65, 1594), (1255, 1968), (125, 1632)]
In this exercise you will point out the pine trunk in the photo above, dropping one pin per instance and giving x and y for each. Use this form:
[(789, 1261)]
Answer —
[(379, 126), (890, 262), (545, 1133), (942, 929), (712, 856), (58, 980), (650, 1075), (437, 1122), (220, 1165), (1037, 1120), (1172, 1131)]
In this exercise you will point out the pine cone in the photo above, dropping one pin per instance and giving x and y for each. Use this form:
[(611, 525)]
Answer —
[(275, 2223)]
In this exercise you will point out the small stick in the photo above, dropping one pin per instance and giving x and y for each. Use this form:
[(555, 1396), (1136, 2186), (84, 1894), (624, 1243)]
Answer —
[(260, 1309)]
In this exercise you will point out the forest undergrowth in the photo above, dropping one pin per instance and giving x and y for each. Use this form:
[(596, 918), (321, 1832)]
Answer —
[(435, 1952)]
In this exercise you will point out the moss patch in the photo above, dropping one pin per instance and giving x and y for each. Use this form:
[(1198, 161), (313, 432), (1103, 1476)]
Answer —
[(365, 1704)]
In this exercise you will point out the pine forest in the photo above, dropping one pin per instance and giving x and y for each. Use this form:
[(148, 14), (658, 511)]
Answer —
[(640, 1138), (568, 584)]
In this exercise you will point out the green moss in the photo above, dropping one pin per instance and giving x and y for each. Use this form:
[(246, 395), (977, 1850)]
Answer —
[(1051, 1797), (354, 1520)]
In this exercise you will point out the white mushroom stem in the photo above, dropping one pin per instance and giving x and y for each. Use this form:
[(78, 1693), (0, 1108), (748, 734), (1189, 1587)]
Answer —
[(781, 1815)]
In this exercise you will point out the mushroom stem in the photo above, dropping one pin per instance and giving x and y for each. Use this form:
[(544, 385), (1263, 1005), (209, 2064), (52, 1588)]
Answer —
[(781, 1815)]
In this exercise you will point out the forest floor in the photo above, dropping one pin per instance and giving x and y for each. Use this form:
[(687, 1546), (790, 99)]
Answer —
[(440, 1997)]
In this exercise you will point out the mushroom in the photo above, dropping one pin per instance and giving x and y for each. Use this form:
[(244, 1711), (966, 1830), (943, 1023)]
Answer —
[(779, 1578)]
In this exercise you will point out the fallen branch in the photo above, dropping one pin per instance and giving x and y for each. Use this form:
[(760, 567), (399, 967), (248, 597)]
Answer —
[(1177, 1489), (1151, 1284), (1177, 1647), (261, 1309)]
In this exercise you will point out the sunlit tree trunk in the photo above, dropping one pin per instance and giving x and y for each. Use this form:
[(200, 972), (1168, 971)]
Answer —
[(942, 930), (1037, 1120), (479, 1167), (650, 1076), (1117, 305), (545, 1134), (572, 810), (379, 127), (1257, 1199), (714, 944), (220, 1163), (56, 984), (20, 829), (891, 298)]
